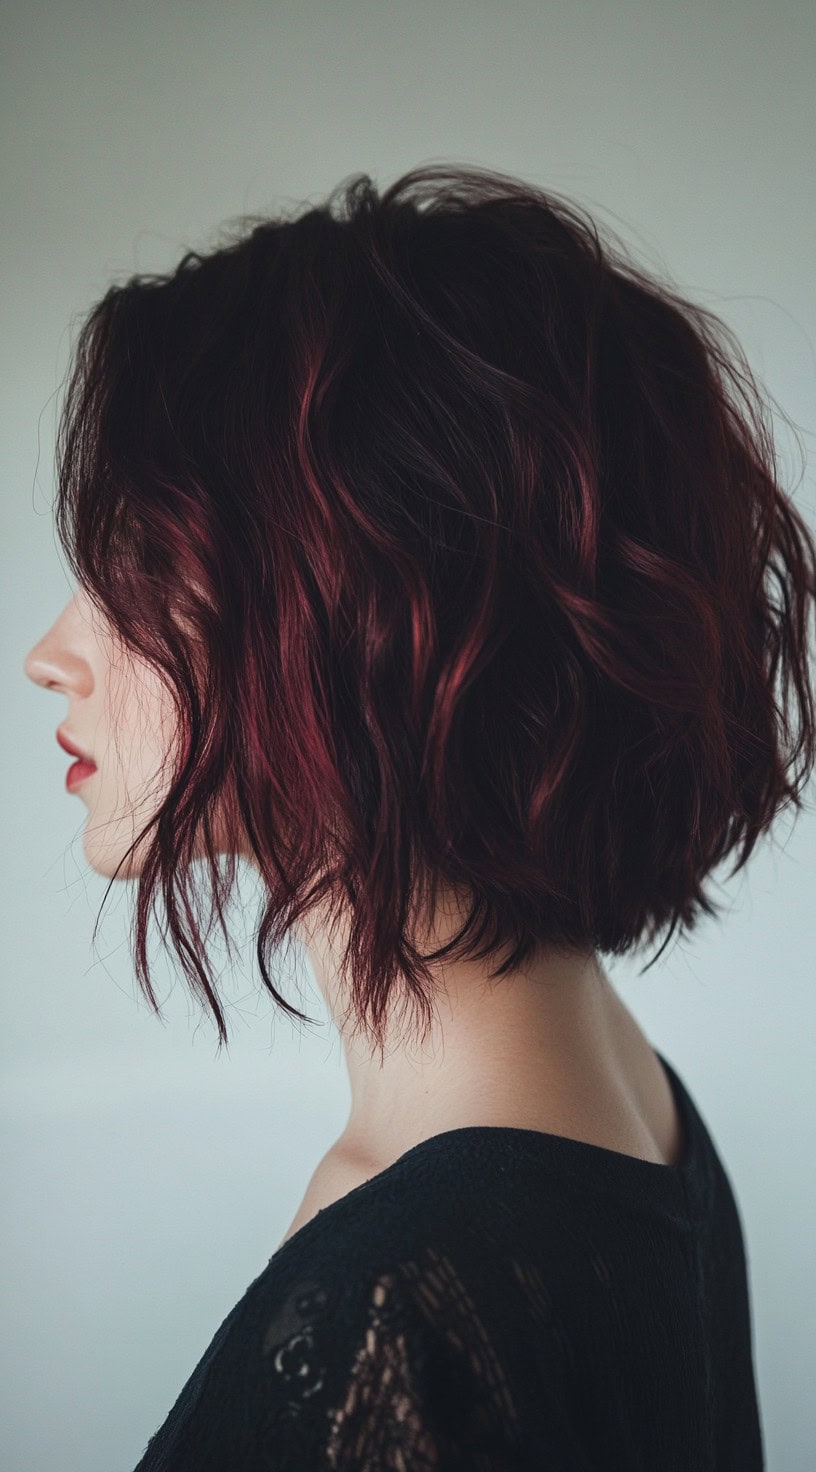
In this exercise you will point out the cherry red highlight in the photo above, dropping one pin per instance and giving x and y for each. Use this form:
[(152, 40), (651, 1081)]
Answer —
[(460, 542)]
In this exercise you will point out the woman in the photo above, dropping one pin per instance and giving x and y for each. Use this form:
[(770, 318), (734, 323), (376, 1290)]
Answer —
[(422, 545)]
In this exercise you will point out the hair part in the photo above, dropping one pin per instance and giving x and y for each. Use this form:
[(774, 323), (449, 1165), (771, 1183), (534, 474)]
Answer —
[(460, 542)]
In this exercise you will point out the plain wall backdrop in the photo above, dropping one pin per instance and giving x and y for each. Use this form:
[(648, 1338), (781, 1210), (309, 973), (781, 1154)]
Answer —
[(147, 1181)]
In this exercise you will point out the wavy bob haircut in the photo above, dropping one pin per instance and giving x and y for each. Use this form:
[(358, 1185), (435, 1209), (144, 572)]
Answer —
[(459, 541)]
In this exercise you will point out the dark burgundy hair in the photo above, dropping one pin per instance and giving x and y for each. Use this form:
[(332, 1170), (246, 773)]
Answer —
[(460, 542)]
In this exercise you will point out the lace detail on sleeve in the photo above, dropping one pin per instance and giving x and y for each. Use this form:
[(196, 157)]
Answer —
[(292, 1359), (422, 1389)]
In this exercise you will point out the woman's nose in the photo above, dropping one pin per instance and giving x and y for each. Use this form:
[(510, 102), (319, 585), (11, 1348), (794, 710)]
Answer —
[(60, 658), (38, 666)]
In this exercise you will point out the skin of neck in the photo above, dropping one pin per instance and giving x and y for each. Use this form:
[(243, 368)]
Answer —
[(529, 1049)]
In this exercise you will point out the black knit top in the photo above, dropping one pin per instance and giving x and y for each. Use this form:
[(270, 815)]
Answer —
[(497, 1298)]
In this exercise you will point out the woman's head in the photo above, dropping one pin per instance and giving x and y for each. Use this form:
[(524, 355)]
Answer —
[(445, 541)]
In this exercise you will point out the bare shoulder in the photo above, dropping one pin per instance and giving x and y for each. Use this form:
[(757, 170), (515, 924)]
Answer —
[(333, 1177)]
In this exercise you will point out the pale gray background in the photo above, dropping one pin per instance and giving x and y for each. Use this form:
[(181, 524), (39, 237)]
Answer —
[(146, 1181)]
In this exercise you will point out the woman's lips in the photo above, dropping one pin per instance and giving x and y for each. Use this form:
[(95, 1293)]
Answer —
[(68, 745), (79, 772)]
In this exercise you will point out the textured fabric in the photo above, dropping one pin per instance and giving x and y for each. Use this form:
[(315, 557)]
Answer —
[(496, 1299)]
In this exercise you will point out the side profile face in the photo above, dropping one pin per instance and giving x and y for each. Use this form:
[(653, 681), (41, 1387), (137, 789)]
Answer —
[(120, 716)]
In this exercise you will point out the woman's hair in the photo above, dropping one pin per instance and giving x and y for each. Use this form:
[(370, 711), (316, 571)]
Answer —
[(460, 543)]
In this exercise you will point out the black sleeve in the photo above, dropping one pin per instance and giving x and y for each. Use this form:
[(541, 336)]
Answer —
[(398, 1374), (386, 1369)]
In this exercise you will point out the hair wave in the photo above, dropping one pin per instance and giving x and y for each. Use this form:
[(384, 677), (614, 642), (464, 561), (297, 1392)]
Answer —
[(460, 542)]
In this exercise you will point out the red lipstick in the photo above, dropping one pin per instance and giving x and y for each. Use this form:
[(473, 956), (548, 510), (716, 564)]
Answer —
[(80, 770)]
